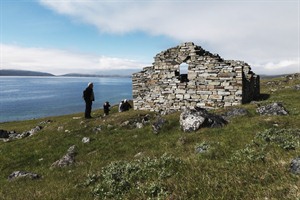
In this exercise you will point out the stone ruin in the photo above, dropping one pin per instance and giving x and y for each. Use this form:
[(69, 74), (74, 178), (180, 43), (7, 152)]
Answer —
[(210, 81)]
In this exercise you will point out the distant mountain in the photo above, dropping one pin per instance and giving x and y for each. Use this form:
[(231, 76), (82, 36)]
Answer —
[(10, 72), (92, 75)]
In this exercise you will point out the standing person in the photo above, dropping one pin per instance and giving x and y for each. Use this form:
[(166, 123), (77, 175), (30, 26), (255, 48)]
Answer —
[(106, 107), (88, 96)]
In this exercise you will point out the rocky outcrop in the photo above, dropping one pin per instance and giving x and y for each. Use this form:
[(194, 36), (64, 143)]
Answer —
[(272, 109), (193, 119), (23, 174), (67, 159)]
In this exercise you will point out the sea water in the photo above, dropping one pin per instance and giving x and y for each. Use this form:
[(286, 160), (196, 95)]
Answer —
[(24, 98)]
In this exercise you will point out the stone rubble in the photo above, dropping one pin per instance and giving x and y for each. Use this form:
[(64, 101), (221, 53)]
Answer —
[(7, 136), (210, 82), (23, 174), (272, 109)]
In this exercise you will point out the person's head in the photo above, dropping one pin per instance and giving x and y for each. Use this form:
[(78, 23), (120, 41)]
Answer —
[(90, 84), (125, 100)]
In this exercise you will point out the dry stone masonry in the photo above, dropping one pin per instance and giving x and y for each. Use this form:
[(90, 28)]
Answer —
[(210, 81)]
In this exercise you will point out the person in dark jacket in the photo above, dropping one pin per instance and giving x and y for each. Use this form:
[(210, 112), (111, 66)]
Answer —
[(125, 106), (88, 96), (106, 107)]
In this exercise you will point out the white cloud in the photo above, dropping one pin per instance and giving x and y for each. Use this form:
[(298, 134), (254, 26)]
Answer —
[(253, 31), (60, 62)]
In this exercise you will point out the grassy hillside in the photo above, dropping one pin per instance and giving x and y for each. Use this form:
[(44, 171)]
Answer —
[(247, 159)]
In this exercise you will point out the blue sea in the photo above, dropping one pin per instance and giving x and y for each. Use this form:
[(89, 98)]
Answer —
[(24, 98)]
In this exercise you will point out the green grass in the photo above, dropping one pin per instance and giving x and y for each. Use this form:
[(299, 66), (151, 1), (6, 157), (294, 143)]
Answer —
[(247, 159)]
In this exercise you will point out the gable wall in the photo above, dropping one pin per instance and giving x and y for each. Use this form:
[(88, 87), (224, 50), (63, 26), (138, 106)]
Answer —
[(213, 82)]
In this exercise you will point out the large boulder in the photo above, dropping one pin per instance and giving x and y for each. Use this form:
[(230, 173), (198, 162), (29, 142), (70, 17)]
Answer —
[(272, 109), (193, 119)]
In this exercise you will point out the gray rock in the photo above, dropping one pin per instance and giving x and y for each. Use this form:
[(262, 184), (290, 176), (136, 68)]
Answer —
[(23, 174), (272, 109), (139, 125), (34, 130), (67, 159), (158, 124), (194, 119), (85, 140), (295, 166)]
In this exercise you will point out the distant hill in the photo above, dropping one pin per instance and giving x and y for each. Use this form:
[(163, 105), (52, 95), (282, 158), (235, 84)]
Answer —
[(92, 75), (9, 72)]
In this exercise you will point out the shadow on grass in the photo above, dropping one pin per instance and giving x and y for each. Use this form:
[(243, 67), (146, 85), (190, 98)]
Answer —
[(263, 97)]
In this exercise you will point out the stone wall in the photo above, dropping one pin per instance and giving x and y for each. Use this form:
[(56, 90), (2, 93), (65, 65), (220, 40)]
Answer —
[(209, 83)]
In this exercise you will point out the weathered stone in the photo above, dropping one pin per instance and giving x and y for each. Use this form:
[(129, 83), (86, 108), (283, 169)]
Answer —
[(67, 159), (23, 174), (139, 125), (193, 119), (272, 109), (85, 140), (158, 124), (295, 166)]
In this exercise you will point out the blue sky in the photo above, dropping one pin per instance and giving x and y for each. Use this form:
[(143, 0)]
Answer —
[(121, 37)]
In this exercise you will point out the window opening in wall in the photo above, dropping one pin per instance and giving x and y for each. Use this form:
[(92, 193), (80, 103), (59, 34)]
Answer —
[(183, 75)]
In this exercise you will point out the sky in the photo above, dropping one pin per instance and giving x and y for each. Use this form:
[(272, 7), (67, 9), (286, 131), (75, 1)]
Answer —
[(123, 36)]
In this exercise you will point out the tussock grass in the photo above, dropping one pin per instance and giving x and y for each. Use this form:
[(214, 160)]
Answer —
[(247, 159)]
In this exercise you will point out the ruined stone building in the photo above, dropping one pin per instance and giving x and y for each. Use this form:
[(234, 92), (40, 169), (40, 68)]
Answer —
[(208, 82)]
